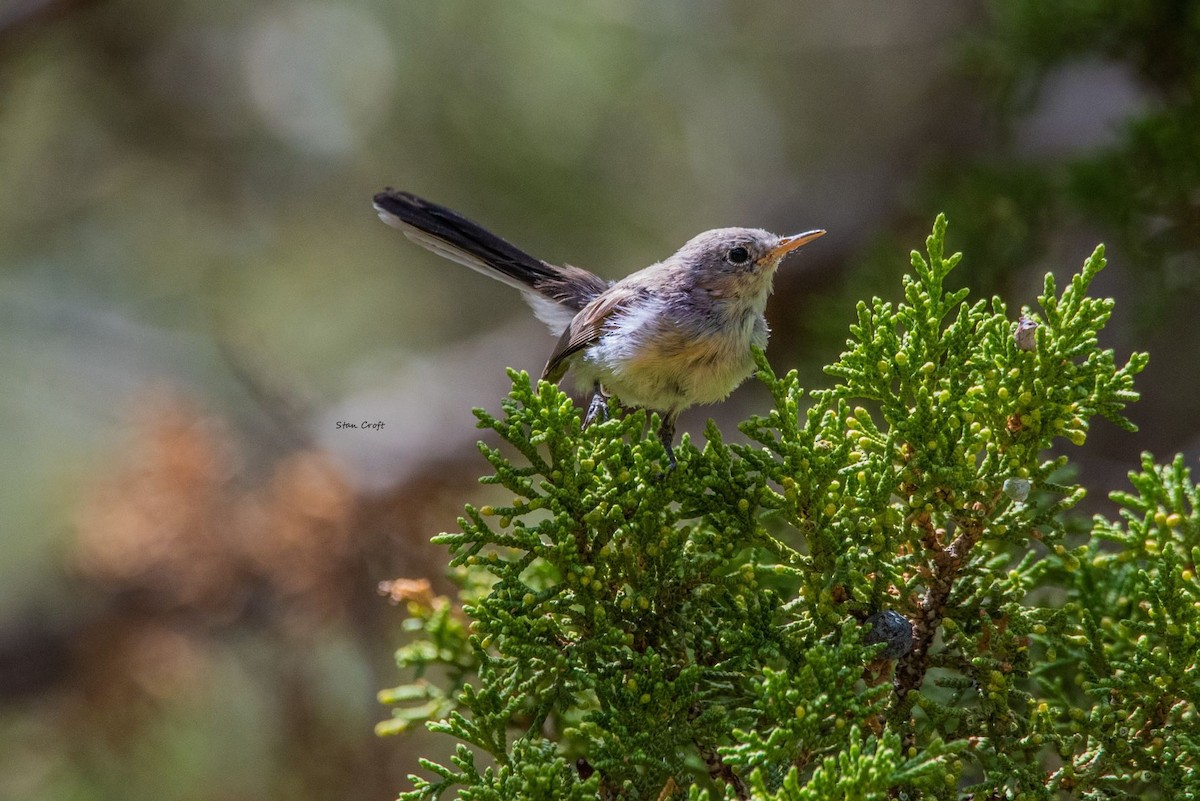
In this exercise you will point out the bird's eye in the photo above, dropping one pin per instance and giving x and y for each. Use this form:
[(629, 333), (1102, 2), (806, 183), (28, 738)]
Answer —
[(739, 255)]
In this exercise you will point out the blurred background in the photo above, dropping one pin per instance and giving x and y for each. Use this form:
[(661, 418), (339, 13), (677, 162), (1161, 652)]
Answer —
[(194, 290)]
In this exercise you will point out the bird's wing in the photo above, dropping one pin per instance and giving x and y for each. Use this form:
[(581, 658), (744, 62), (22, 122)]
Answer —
[(586, 327)]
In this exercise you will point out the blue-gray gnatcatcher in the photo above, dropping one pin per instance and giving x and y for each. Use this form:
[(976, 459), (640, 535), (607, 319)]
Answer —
[(667, 337)]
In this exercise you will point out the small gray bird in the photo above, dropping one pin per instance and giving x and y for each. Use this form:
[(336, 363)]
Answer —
[(672, 335)]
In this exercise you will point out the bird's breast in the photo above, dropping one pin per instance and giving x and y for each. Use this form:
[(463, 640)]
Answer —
[(668, 356)]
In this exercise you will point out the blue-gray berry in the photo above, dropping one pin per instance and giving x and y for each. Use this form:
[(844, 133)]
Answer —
[(1026, 334), (1017, 488), (892, 628)]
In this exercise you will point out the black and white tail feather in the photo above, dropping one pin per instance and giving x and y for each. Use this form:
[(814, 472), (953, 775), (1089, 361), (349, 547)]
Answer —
[(555, 293)]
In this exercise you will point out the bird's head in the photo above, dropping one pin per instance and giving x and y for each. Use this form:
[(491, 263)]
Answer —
[(737, 262)]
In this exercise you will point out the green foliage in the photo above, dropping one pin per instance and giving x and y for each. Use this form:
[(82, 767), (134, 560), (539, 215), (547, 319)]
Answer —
[(867, 769), (699, 634), (1138, 576)]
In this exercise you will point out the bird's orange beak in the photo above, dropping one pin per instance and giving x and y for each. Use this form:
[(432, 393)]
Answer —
[(790, 243)]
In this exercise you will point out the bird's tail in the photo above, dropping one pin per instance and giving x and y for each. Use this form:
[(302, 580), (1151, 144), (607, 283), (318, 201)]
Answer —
[(452, 236)]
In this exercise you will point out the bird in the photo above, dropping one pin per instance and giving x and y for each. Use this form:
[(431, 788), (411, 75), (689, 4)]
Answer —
[(672, 335)]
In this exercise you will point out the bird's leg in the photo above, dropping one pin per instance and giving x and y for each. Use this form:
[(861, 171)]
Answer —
[(598, 408), (666, 435)]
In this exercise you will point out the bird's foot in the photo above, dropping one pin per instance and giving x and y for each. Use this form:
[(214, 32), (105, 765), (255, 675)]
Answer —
[(598, 408), (666, 435)]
